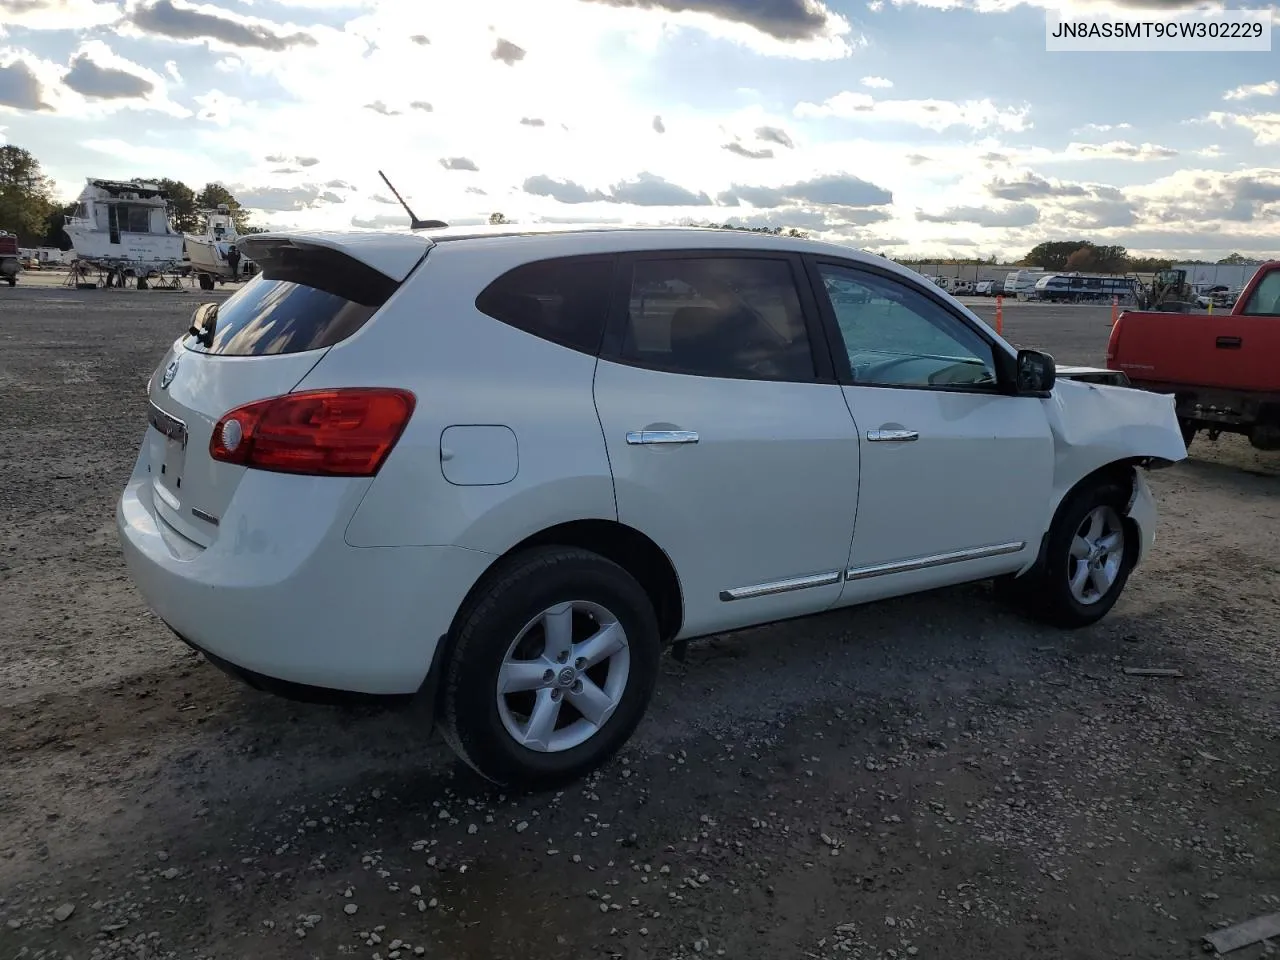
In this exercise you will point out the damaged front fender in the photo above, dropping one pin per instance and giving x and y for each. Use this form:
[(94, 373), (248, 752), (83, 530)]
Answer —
[(1094, 425), (1097, 425)]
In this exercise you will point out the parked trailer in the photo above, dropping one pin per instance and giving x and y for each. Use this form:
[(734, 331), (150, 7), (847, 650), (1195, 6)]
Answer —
[(1082, 288), (1022, 283)]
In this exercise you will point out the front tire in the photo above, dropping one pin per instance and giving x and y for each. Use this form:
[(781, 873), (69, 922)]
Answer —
[(552, 667), (1188, 430), (1088, 558)]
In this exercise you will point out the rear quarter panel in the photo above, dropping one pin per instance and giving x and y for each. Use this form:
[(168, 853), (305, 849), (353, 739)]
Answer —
[(466, 368)]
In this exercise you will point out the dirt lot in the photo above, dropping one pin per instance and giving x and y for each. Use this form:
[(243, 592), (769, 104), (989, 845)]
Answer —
[(930, 777)]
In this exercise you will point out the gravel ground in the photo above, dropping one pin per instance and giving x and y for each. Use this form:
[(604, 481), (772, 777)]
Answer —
[(928, 777)]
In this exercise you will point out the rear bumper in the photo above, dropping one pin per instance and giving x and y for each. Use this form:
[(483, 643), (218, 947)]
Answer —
[(299, 612), (1215, 406)]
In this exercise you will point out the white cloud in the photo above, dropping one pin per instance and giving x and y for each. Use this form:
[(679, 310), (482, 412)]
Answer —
[(218, 108), (58, 14), (1244, 92), (1104, 127), (966, 190), (1120, 150), (1265, 127), (930, 114), (100, 79), (1079, 6)]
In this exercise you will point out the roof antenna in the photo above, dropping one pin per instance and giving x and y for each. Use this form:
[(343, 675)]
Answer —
[(414, 222)]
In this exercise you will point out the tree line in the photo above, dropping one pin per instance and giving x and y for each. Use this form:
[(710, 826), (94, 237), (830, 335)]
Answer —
[(29, 209), (1084, 256)]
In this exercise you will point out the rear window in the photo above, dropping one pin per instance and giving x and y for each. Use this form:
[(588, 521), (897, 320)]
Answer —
[(301, 300)]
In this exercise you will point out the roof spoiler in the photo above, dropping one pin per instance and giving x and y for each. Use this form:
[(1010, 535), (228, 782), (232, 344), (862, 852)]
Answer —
[(394, 255)]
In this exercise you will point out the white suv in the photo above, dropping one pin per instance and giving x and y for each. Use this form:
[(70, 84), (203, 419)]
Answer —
[(498, 472)]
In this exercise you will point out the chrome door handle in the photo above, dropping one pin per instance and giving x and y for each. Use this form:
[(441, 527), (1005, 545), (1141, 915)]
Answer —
[(662, 436), (892, 436)]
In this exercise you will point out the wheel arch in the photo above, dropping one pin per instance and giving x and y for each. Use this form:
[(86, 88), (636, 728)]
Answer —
[(630, 549), (1123, 472), (626, 546)]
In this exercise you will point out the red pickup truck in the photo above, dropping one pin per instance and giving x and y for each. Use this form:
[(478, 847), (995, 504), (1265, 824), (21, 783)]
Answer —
[(1222, 368), (10, 259)]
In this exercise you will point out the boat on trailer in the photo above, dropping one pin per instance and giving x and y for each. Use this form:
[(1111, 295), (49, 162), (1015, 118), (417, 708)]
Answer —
[(122, 228), (210, 252)]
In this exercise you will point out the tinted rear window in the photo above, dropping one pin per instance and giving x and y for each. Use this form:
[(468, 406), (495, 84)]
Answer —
[(301, 300), (564, 300)]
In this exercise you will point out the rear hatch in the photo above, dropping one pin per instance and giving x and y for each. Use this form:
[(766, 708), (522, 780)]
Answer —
[(313, 291)]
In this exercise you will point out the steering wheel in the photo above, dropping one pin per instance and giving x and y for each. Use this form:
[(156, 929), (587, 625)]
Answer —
[(884, 365), (937, 377)]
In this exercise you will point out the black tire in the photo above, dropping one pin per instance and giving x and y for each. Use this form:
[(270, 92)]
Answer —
[(1045, 593), (1188, 432), (512, 595), (13, 281)]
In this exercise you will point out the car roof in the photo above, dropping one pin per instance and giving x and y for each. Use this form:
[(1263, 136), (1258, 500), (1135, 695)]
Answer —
[(391, 251), (616, 238)]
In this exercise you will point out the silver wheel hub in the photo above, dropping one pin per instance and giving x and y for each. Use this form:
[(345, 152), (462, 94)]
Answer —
[(1096, 555), (563, 676)]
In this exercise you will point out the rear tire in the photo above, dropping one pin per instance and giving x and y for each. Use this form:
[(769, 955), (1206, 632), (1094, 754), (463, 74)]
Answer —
[(1088, 558), (528, 630)]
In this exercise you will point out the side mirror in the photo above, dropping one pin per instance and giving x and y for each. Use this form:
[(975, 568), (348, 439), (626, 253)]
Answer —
[(1036, 373)]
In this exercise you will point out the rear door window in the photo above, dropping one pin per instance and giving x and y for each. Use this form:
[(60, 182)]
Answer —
[(565, 300), (301, 302), (727, 317)]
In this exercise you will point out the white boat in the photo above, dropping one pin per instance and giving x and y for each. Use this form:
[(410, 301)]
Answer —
[(123, 226), (208, 252)]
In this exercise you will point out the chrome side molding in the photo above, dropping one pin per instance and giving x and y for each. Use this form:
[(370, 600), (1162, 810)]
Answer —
[(635, 437), (937, 560), (781, 586)]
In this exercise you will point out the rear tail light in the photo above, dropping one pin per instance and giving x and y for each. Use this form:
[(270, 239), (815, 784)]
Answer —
[(331, 433)]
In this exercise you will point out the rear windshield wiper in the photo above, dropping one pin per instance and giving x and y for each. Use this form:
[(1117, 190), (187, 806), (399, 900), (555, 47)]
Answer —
[(204, 323)]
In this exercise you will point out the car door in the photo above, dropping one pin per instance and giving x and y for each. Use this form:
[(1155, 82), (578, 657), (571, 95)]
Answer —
[(728, 436), (1246, 344), (955, 472)]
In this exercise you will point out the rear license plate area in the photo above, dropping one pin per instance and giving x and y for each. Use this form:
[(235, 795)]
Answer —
[(173, 453)]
